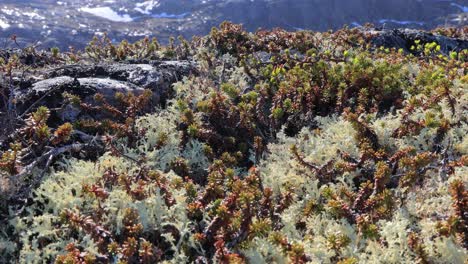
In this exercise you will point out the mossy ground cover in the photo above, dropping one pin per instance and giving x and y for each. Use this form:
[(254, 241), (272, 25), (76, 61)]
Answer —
[(285, 147)]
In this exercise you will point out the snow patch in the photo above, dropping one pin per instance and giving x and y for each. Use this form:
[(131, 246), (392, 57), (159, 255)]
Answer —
[(33, 15), (4, 25), (8, 11), (400, 22), (107, 13), (146, 7), (166, 15)]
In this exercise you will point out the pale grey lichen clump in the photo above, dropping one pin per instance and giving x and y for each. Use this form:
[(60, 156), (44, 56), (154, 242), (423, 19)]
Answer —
[(418, 211)]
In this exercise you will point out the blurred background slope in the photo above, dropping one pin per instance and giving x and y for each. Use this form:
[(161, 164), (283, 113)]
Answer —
[(73, 22)]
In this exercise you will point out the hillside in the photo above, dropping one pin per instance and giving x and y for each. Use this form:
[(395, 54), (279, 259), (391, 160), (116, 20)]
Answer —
[(50, 23), (346, 146)]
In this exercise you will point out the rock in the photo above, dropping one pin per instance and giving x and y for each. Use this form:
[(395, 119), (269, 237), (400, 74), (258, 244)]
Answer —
[(107, 87), (157, 76), (107, 79), (45, 92), (51, 90), (48, 85), (404, 39)]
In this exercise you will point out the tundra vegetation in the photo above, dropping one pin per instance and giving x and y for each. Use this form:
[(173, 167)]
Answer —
[(283, 147)]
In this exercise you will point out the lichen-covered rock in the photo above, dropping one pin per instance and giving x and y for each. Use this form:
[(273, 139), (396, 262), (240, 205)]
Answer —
[(107, 79), (405, 38)]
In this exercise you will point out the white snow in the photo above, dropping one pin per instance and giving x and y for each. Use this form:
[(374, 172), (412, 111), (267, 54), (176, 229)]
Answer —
[(4, 25), (460, 19), (166, 15), (107, 13), (146, 7), (33, 15), (8, 11), (401, 22)]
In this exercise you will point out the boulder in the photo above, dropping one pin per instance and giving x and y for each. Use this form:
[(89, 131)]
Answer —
[(86, 80), (404, 39)]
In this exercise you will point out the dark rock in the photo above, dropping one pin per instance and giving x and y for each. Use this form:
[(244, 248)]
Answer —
[(124, 71), (47, 92), (404, 39), (106, 79), (157, 76), (107, 87)]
